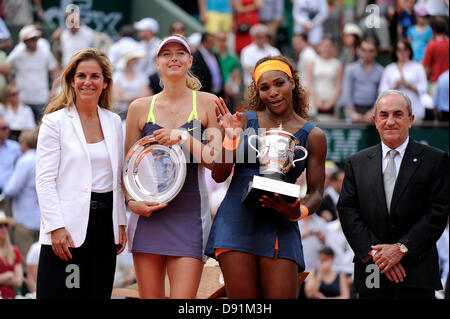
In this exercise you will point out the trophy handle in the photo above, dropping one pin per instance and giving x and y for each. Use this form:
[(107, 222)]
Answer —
[(300, 159), (250, 139)]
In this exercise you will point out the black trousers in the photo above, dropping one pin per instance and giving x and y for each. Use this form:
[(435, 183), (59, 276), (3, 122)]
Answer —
[(90, 272), (400, 293)]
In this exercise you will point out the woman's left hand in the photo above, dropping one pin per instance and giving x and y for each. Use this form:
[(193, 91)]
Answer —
[(291, 211), (122, 239), (167, 136)]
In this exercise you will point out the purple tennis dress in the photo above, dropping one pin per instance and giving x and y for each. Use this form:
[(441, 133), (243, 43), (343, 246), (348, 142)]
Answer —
[(182, 228)]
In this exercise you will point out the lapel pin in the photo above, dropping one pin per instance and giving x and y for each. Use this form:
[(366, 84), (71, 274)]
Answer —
[(414, 159)]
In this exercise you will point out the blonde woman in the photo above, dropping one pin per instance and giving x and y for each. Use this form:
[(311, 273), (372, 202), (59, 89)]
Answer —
[(78, 182), (11, 271), (171, 237)]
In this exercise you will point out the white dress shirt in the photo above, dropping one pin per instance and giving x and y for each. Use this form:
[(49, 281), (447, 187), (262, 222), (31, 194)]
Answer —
[(398, 157)]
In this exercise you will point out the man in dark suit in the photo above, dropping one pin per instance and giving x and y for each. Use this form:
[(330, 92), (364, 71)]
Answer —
[(393, 208), (206, 66)]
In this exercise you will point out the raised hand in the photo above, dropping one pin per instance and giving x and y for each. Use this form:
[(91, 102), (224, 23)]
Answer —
[(230, 123)]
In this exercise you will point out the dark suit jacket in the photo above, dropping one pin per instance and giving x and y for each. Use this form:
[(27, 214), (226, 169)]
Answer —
[(202, 72), (418, 215)]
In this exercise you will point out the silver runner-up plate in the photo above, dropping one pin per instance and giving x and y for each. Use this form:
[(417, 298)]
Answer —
[(154, 172)]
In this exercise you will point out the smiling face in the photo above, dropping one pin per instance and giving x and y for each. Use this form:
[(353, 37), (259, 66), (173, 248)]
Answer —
[(173, 60), (402, 52), (88, 81), (275, 91), (392, 120)]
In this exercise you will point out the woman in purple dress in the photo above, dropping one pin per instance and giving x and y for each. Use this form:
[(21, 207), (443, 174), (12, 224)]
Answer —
[(171, 237)]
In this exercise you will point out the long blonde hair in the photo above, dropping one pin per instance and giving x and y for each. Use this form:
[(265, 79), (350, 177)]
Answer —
[(67, 97), (7, 252), (192, 82)]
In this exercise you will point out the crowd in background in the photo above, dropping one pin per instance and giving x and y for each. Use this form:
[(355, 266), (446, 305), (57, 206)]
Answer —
[(345, 55)]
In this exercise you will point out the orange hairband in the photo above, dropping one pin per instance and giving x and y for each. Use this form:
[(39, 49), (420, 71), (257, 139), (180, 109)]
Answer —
[(271, 65)]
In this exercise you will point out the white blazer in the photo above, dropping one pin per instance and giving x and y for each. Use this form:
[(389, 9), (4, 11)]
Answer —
[(64, 177)]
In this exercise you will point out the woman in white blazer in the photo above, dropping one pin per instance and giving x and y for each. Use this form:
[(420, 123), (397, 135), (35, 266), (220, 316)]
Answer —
[(78, 182)]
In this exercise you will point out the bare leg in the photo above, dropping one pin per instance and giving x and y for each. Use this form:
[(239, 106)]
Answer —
[(279, 278), (240, 273), (184, 276), (150, 274)]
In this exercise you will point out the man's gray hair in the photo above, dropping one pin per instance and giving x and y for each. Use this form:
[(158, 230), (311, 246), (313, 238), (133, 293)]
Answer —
[(258, 28), (390, 92)]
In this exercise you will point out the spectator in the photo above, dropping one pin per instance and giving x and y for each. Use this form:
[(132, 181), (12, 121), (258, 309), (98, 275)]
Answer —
[(352, 36), (258, 49), (147, 30), (332, 26), (324, 82), (11, 270), (420, 34), (348, 11), (206, 66), (231, 71), (313, 230), (245, 17), (194, 41), (271, 15), (219, 16), (309, 16), (31, 64), (177, 27), (441, 98), (407, 76), (9, 154), (18, 12), (21, 187), (435, 7), (343, 253), (129, 81), (406, 19), (126, 40), (31, 262), (5, 36), (325, 282), (436, 56), (327, 208), (75, 38), (18, 115), (125, 274), (361, 81), (330, 169), (382, 26), (306, 54)]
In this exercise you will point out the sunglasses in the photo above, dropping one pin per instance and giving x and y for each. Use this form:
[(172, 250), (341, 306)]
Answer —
[(4, 225)]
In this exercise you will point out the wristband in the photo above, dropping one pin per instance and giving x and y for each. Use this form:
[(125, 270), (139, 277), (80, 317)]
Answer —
[(129, 200), (230, 144), (303, 213)]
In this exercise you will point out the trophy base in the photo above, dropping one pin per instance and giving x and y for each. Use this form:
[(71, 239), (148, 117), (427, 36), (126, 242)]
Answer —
[(260, 186)]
